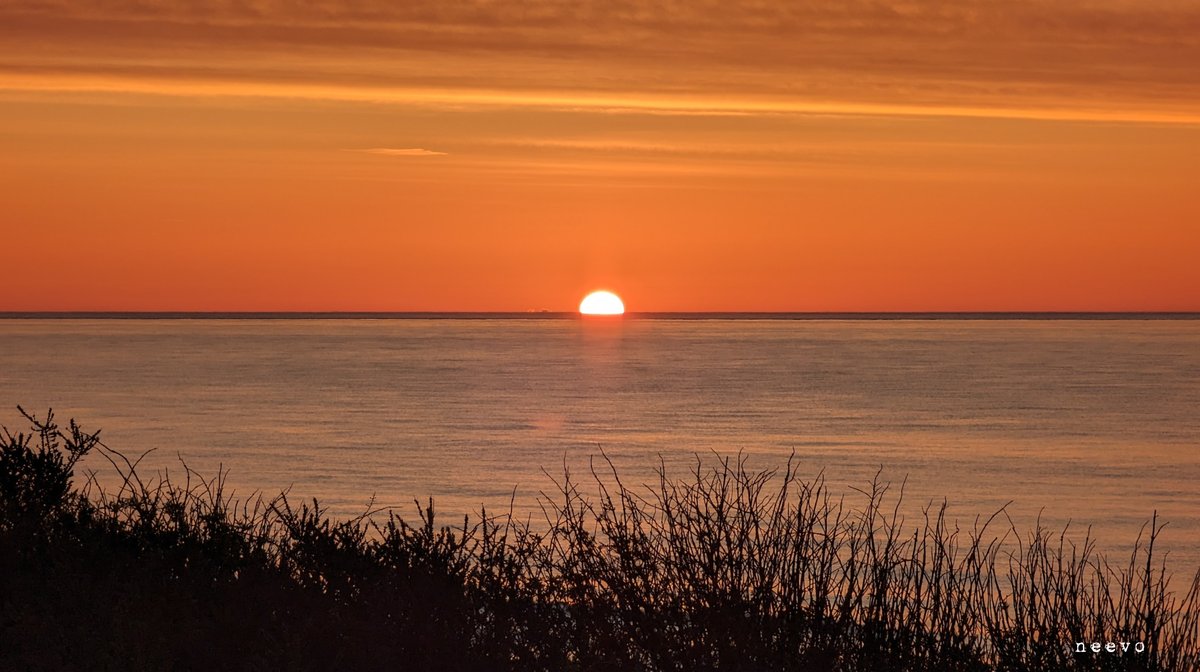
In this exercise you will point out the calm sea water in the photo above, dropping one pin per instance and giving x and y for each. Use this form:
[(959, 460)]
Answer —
[(1094, 421)]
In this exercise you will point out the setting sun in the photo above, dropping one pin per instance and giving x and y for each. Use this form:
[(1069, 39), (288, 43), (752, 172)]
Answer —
[(602, 303)]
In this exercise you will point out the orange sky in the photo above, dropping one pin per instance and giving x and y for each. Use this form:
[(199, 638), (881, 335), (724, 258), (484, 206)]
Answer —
[(843, 156)]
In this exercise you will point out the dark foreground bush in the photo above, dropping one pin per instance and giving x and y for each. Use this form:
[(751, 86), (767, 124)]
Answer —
[(726, 570)]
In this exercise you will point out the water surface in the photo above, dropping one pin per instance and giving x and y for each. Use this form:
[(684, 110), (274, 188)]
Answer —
[(1093, 421)]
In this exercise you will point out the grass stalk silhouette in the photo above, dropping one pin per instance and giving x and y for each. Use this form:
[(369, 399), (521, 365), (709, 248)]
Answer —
[(727, 568)]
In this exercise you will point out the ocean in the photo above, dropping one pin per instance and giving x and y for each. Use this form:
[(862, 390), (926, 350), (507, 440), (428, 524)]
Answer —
[(1095, 422)]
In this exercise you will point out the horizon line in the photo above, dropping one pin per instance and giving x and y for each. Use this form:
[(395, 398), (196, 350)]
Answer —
[(558, 315)]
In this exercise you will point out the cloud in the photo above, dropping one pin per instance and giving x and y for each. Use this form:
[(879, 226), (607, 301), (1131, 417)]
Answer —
[(387, 151), (1048, 56)]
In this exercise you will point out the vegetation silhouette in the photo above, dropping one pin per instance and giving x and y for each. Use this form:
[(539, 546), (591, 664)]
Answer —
[(727, 569)]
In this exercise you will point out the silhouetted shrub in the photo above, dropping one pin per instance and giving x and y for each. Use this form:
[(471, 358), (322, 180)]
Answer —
[(728, 569)]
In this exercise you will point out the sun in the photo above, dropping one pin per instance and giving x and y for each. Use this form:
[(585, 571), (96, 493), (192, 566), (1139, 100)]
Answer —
[(602, 303)]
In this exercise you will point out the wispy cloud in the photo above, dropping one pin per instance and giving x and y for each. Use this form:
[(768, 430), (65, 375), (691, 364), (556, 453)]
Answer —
[(1122, 59), (412, 151), (711, 104)]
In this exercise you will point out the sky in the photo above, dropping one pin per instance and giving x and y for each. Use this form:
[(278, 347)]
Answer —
[(860, 155)]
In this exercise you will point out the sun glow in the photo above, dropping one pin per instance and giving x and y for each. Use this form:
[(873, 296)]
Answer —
[(602, 303)]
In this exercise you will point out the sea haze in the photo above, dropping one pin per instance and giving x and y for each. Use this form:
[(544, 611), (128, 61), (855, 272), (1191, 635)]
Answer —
[(1089, 420)]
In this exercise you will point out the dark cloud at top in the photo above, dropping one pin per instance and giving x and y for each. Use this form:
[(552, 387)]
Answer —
[(1127, 16), (1020, 52)]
